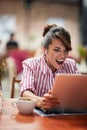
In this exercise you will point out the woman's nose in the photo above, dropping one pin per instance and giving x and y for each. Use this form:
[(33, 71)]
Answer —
[(62, 55)]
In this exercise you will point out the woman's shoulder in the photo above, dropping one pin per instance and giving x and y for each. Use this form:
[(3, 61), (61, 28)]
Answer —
[(34, 60), (70, 61)]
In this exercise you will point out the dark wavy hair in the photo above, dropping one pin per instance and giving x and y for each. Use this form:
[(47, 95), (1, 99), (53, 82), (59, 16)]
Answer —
[(53, 31)]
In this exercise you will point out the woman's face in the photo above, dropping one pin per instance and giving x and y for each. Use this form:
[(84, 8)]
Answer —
[(56, 54)]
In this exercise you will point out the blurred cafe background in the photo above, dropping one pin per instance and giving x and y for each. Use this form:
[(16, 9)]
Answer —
[(24, 20)]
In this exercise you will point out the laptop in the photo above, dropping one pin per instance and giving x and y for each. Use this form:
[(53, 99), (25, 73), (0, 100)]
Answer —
[(71, 91)]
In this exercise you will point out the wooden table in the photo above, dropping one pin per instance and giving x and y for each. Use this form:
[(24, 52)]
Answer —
[(10, 119)]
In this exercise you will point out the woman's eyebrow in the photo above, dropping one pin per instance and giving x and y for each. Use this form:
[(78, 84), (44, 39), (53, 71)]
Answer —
[(57, 47)]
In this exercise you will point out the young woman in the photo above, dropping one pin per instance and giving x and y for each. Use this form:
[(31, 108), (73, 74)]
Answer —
[(39, 72)]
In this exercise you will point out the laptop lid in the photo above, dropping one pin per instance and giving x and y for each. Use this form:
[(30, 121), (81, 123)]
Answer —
[(71, 90)]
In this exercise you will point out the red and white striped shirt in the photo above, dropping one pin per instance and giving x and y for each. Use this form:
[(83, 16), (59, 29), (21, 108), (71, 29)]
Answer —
[(38, 77)]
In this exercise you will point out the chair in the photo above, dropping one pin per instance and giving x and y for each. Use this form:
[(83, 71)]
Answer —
[(14, 81)]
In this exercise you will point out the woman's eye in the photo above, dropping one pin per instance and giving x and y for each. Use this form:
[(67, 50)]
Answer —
[(56, 50)]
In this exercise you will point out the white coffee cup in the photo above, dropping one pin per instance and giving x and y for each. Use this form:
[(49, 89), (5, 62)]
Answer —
[(24, 105)]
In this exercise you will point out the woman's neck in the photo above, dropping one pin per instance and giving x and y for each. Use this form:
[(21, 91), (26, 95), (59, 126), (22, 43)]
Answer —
[(49, 65)]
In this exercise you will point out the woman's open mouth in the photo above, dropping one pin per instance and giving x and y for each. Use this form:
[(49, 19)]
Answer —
[(59, 61)]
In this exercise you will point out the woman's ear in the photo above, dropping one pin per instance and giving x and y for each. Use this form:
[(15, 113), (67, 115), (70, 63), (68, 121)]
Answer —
[(45, 50)]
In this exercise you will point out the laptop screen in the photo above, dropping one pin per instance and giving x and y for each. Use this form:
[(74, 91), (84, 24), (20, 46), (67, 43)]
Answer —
[(71, 90)]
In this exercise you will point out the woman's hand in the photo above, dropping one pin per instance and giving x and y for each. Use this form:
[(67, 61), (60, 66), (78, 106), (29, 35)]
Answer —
[(49, 101)]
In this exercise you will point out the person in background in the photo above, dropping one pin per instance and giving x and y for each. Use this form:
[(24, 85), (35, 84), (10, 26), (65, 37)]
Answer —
[(15, 56), (39, 72), (12, 42)]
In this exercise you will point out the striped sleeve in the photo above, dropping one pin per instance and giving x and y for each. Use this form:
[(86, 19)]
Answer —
[(27, 82)]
